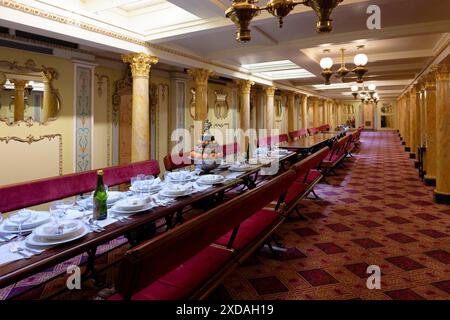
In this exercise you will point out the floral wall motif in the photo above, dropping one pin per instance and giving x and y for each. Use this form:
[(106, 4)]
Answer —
[(83, 113)]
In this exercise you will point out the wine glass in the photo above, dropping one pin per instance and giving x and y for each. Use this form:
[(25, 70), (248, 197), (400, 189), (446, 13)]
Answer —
[(20, 218), (57, 211)]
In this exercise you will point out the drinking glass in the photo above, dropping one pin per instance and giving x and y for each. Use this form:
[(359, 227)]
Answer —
[(20, 218), (57, 211), (136, 183)]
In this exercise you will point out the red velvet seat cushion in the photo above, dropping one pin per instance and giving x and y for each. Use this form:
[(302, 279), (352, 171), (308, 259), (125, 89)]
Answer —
[(250, 229), (312, 176), (182, 282), (294, 191)]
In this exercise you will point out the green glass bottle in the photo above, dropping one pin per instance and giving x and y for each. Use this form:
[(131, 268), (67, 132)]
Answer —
[(100, 198)]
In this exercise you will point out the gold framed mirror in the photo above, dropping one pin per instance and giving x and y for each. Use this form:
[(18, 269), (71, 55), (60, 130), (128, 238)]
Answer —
[(27, 94)]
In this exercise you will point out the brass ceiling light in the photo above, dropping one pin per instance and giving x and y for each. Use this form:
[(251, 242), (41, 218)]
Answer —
[(360, 70), (242, 12), (323, 9), (343, 71)]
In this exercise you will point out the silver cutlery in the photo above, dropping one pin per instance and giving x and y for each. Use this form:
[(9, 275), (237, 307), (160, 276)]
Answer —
[(95, 224), (21, 251)]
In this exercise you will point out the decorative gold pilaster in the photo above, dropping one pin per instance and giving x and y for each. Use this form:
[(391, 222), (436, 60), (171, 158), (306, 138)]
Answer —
[(48, 104), (291, 118), (316, 112), (19, 99), (407, 122), (430, 111), (442, 192), (305, 112), (140, 64), (270, 108), (201, 77), (244, 87)]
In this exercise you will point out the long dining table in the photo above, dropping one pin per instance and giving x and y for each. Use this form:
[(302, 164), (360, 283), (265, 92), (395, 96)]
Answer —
[(15, 271), (310, 144)]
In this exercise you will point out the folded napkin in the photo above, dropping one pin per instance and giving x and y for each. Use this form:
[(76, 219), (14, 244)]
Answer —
[(6, 256)]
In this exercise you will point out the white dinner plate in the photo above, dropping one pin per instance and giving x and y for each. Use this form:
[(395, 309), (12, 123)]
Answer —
[(211, 179), (36, 219), (170, 195), (34, 240), (153, 189), (48, 231), (240, 168), (145, 208)]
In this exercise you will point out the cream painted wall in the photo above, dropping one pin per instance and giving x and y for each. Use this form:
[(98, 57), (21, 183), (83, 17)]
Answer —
[(64, 124)]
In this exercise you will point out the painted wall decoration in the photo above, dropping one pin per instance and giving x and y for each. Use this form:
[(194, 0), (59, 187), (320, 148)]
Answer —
[(83, 113)]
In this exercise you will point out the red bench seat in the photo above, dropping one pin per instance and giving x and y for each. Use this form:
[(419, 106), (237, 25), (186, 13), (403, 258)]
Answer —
[(186, 279), (250, 229)]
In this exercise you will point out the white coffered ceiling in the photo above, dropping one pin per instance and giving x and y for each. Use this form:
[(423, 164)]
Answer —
[(412, 33)]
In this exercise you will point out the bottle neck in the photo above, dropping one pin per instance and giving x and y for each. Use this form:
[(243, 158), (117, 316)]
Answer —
[(100, 184)]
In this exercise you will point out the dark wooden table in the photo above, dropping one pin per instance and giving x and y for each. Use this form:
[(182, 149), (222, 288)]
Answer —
[(18, 270), (312, 143)]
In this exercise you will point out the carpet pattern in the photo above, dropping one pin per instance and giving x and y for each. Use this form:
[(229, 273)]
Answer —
[(374, 212)]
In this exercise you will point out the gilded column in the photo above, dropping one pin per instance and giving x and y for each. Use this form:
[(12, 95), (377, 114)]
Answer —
[(430, 112), (442, 192), (270, 108), (19, 99), (316, 112), (305, 112), (140, 64), (412, 123), (407, 137), (291, 118), (419, 128), (200, 77), (244, 87), (48, 107)]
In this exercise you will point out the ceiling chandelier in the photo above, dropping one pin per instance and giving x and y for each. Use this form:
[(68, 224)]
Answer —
[(360, 70), (370, 96), (242, 12)]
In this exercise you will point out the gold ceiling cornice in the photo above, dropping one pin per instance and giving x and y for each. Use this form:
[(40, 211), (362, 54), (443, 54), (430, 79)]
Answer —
[(11, 4)]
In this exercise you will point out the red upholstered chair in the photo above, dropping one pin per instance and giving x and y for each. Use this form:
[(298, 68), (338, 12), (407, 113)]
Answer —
[(177, 161), (313, 131), (181, 263), (337, 153), (230, 149), (27, 194), (298, 134)]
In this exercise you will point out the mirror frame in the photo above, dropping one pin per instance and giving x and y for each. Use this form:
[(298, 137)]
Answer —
[(30, 68)]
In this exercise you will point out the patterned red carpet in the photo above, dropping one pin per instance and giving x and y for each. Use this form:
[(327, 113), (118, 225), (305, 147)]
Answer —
[(374, 212)]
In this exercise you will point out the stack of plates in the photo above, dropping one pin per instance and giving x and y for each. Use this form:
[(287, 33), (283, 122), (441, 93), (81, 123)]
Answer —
[(181, 176), (36, 219), (147, 186), (241, 167), (176, 190), (211, 179), (51, 234), (132, 205)]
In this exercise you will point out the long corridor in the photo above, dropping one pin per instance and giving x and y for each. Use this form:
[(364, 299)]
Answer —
[(371, 215)]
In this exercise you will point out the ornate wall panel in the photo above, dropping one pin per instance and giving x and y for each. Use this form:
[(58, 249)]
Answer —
[(83, 117)]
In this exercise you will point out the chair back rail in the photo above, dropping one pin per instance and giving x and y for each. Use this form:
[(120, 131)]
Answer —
[(149, 261), (27, 194), (298, 134), (177, 161), (230, 149), (269, 140)]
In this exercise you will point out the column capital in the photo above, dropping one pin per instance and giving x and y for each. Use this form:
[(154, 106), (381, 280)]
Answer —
[(429, 82), (19, 83), (49, 74), (244, 86), (140, 63), (200, 76), (270, 91), (441, 71)]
